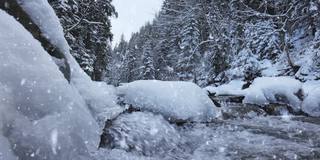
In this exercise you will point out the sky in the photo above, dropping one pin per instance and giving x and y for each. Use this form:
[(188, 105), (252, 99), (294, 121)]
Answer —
[(133, 14)]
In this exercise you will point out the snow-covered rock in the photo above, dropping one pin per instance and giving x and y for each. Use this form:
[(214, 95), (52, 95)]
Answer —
[(99, 97), (232, 88), (311, 103), (43, 15), (42, 115), (144, 133), (174, 100), (266, 90)]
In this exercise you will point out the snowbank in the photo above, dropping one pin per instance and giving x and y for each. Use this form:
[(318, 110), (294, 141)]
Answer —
[(174, 100), (42, 116), (311, 103), (232, 88), (267, 90)]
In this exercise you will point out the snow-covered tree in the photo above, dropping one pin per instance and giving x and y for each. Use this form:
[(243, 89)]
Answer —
[(148, 70), (189, 55), (88, 30)]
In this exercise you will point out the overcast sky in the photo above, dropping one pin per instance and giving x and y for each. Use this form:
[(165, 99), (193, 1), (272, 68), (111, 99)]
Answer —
[(133, 14)]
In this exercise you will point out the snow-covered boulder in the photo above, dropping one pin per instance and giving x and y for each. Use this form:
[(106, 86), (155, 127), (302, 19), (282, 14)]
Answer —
[(43, 15), (41, 115), (232, 88), (311, 103), (174, 100), (99, 97), (266, 90), (142, 132)]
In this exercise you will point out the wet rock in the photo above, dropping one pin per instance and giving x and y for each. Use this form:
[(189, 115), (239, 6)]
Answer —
[(140, 132), (234, 111)]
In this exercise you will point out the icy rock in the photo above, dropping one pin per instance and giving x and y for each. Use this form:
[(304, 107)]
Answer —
[(283, 90), (142, 132), (174, 100)]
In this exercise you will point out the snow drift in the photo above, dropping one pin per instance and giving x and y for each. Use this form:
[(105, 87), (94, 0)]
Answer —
[(174, 100)]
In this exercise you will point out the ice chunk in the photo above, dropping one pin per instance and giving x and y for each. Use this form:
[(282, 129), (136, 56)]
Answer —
[(144, 133), (266, 90), (174, 100)]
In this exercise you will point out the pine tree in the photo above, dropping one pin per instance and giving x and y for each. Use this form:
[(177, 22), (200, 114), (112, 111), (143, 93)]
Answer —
[(189, 56), (116, 65), (212, 42), (147, 60), (87, 26)]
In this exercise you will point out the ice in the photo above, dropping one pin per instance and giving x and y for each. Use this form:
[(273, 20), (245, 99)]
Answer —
[(266, 90), (232, 88), (143, 133), (174, 100), (311, 103), (29, 113)]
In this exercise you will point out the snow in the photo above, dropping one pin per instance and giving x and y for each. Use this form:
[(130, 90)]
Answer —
[(41, 113), (311, 103), (44, 16), (243, 62), (232, 88), (99, 97), (269, 69), (266, 90), (174, 100)]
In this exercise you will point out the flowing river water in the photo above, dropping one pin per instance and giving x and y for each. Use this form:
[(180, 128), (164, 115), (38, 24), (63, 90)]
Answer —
[(242, 134)]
